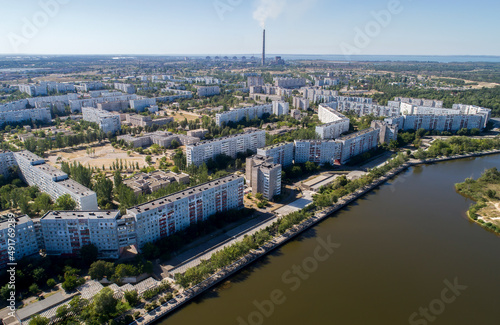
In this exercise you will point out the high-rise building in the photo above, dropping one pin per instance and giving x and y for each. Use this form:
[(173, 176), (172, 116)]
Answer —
[(170, 214), (35, 172), (281, 153), (66, 232), (231, 145), (239, 114), (107, 121), (263, 176), (25, 238), (318, 151), (281, 108), (358, 143), (335, 122)]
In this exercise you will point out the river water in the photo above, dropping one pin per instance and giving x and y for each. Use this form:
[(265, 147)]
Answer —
[(407, 255)]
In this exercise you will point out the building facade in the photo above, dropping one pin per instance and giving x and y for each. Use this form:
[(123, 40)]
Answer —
[(201, 152), (107, 121), (357, 143), (280, 153), (263, 176), (318, 151), (170, 214), (25, 238)]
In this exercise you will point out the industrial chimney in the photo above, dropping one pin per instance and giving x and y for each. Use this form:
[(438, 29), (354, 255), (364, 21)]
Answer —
[(264, 49)]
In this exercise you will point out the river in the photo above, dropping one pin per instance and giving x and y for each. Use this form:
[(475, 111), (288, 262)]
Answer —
[(407, 255)]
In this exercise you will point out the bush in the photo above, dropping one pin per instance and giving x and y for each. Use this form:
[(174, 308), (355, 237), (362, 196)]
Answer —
[(51, 283)]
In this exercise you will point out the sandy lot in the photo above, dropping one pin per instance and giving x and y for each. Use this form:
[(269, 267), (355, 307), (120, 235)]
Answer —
[(104, 155)]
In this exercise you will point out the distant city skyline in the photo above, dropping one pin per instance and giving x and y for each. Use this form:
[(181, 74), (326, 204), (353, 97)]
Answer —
[(234, 27)]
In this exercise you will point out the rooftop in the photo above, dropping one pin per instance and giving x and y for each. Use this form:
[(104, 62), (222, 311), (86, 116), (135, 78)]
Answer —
[(29, 156), (4, 221), (51, 171), (94, 215), (357, 134), (278, 145), (180, 195), (75, 187)]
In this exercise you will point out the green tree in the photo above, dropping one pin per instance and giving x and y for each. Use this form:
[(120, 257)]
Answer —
[(101, 269), (88, 253), (51, 283), (104, 304), (38, 320), (132, 297), (65, 203), (117, 178), (34, 289), (148, 159)]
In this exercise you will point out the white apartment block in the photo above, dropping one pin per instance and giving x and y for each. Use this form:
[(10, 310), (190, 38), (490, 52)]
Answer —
[(317, 151), (317, 95), (358, 143), (335, 122), (33, 114), (7, 161), (281, 153), (301, 103), (289, 82), (172, 213), (126, 88), (232, 145), (253, 81), (281, 108), (362, 109), (76, 105), (34, 90), (450, 123), (208, 91), (263, 176), (238, 114), (25, 238), (417, 102), (107, 121), (388, 132), (475, 110), (35, 172), (88, 86), (66, 232), (141, 104)]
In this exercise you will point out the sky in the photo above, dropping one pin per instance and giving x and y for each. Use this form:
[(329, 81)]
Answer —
[(223, 27)]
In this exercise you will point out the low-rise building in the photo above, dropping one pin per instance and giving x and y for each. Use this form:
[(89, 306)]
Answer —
[(148, 183)]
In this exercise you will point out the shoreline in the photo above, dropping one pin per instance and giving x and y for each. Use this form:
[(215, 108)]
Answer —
[(193, 292)]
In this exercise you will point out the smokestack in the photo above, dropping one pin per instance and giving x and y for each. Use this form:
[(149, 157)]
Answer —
[(264, 49)]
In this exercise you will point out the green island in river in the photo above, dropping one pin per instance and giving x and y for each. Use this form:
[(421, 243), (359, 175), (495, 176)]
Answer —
[(486, 192)]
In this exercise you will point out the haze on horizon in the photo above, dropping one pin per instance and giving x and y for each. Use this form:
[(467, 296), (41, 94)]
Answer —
[(219, 27)]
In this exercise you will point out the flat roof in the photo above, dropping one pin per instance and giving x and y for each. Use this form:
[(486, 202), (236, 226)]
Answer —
[(55, 215), (180, 195), (29, 155), (4, 224), (357, 134), (75, 187), (50, 170), (277, 145)]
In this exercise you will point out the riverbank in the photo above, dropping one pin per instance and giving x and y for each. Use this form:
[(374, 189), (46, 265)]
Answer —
[(484, 191), (296, 230)]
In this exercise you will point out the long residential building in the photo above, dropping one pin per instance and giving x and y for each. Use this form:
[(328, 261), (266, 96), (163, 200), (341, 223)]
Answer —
[(281, 153), (29, 114), (357, 143), (335, 122), (25, 239), (126, 88), (107, 121), (289, 82), (66, 232), (172, 213), (35, 172), (161, 138), (205, 91), (231, 145), (318, 151), (239, 114)]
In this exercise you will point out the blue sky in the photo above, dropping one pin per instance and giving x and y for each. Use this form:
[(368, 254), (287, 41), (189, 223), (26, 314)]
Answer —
[(416, 27)]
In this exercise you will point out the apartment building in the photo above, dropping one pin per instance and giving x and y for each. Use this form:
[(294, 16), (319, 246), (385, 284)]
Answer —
[(35, 172), (136, 120), (358, 143), (126, 88), (7, 161), (238, 114), (205, 91), (34, 90), (253, 81), (281, 108), (66, 232), (172, 213), (161, 138), (281, 153), (318, 151), (417, 102), (289, 82), (388, 132), (301, 103), (143, 183), (88, 86), (335, 122), (25, 238), (450, 123), (199, 133), (107, 121), (317, 95), (231, 145), (263, 176), (140, 105), (33, 114)]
